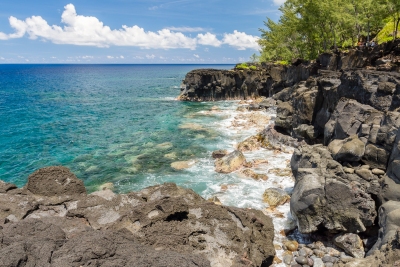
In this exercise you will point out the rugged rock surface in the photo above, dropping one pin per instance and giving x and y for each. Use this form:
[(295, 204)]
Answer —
[(350, 102), (325, 196), (163, 225)]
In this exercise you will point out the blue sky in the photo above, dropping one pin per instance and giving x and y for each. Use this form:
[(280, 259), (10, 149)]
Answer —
[(132, 31)]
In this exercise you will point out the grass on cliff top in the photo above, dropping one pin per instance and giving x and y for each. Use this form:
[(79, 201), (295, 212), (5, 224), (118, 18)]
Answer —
[(245, 66)]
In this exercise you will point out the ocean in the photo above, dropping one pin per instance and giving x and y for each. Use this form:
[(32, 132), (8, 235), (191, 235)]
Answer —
[(122, 124)]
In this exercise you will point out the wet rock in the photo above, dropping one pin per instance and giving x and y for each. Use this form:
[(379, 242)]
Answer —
[(275, 197), (249, 144), (105, 186), (217, 154), (351, 244), (251, 174), (231, 162), (55, 181)]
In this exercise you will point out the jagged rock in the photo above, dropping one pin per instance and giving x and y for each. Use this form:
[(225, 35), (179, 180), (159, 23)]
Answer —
[(270, 138), (323, 192), (158, 226), (351, 244), (231, 162), (55, 181), (275, 197)]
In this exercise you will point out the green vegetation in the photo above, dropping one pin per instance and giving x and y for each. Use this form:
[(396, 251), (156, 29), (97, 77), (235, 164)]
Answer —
[(309, 27), (242, 66), (245, 66)]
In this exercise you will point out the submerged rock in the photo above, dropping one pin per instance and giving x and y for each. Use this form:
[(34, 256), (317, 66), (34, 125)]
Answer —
[(181, 165)]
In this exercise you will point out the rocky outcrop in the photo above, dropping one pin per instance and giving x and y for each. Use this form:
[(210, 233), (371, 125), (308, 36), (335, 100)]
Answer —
[(163, 225), (326, 197), (266, 80)]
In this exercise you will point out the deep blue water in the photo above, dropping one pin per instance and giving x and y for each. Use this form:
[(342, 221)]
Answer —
[(107, 123)]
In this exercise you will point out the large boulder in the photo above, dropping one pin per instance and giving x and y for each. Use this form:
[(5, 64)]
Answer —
[(55, 181), (231, 162), (163, 225), (353, 149), (325, 197)]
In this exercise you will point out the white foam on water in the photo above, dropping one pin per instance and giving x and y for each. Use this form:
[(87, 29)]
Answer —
[(234, 190)]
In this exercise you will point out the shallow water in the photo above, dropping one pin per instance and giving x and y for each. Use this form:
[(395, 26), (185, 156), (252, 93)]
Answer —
[(122, 124)]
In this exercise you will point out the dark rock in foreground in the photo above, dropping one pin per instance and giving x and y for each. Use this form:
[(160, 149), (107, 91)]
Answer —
[(162, 225)]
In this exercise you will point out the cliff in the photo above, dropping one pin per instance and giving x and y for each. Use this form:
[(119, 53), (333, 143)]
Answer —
[(346, 107)]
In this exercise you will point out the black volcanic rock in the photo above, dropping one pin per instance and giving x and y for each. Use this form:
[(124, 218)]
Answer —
[(163, 225)]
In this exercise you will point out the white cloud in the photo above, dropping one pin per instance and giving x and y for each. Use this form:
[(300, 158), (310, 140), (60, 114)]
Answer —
[(241, 40), (196, 56), (86, 57), (90, 31), (2, 58), (186, 29), (279, 2), (122, 57), (150, 56), (85, 30), (208, 39), (110, 57)]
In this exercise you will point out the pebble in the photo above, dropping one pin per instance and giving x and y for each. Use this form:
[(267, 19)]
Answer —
[(319, 253), (318, 262), (328, 264), (301, 260), (295, 265), (303, 252), (310, 262), (287, 259), (327, 258)]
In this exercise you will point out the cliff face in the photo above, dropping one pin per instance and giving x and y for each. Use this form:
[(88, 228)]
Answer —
[(346, 107), (211, 85), (269, 79)]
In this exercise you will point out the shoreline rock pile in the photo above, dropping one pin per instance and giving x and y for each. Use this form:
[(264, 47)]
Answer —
[(53, 222), (342, 114)]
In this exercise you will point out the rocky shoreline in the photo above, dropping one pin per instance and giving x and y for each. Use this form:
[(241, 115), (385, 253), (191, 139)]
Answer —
[(341, 117), (342, 113)]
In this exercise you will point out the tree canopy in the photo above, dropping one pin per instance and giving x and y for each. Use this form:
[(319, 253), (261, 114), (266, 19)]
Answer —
[(307, 28)]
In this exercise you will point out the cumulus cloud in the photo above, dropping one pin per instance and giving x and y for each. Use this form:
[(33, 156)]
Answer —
[(90, 31), (208, 39), (150, 56), (110, 57), (241, 40), (196, 56)]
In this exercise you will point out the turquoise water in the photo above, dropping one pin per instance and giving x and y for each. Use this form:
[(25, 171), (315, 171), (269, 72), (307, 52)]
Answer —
[(107, 123)]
